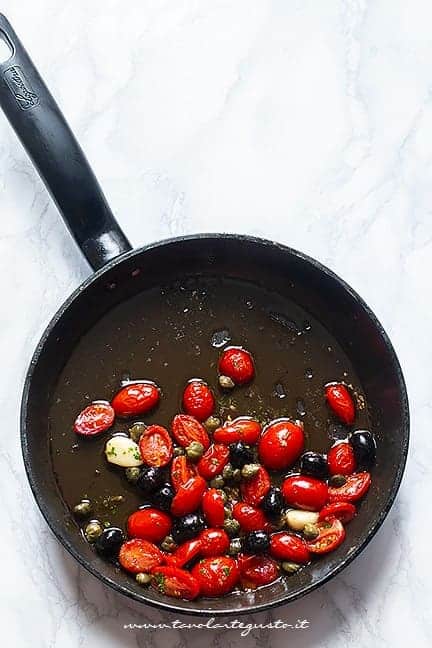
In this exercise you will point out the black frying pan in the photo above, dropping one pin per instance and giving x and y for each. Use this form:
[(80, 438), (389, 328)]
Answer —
[(122, 274)]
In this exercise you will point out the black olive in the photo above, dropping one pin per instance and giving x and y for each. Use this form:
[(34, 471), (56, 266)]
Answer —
[(364, 446), (273, 502), (150, 479), (313, 464), (240, 454), (109, 542), (187, 527), (163, 497), (256, 542)]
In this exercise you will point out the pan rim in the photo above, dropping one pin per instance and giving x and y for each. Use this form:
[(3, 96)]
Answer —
[(204, 611)]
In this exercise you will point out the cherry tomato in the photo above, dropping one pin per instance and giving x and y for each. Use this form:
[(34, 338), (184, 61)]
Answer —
[(181, 471), (184, 553), (139, 555), (331, 535), (305, 493), (216, 576), (213, 461), (94, 419), (214, 542), (249, 517), (198, 400), (255, 489), (287, 546), (174, 581), (343, 511), (213, 507), (355, 487), (237, 364), (341, 459), (241, 429), (186, 429), (257, 570), (156, 446), (340, 402), (188, 497), (136, 398), (149, 524), (281, 444)]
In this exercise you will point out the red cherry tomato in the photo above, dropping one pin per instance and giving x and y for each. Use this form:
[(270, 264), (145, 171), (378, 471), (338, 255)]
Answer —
[(343, 511), (136, 398), (213, 461), (188, 497), (186, 429), (305, 493), (198, 400), (241, 429), (331, 535), (216, 576), (213, 507), (173, 581), (341, 459), (281, 444), (149, 524), (156, 446), (237, 364), (287, 546), (355, 487), (139, 555), (214, 542), (184, 553), (94, 419), (340, 402), (249, 517), (257, 570), (255, 489)]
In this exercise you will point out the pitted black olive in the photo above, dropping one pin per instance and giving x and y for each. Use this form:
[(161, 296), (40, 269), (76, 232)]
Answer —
[(364, 446), (150, 479), (313, 464), (109, 542), (240, 454), (163, 497), (187, 527), (255, 542), (273, 502)]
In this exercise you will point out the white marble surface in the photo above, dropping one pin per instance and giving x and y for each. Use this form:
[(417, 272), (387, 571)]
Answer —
[(304, 121)]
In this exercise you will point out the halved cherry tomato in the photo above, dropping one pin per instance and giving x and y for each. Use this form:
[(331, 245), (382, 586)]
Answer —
[(241, 429), (139, 555), (340, 402), (257, 570), (181, 471), (176, 582), (305, 493), (184, 553), (216, 576), (188, 497), (213, 507), (281, 444), (237, 364), (255, 489), (94, 419), (186, 429), (355, 487), (214, 542), (287, 546), (156, 446), (136, 398), (331, 535), (249, 517), (343, 511), (213, 461), (198, 400), (341, 459), (149, 524)]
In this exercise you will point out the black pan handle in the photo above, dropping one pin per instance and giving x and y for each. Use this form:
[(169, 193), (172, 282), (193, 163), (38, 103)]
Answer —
[(44, 133)]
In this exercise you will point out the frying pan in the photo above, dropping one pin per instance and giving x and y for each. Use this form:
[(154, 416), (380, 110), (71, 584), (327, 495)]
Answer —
[(39, 124)]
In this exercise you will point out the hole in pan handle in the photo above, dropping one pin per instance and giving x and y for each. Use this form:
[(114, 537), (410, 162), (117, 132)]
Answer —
[(56, 154)]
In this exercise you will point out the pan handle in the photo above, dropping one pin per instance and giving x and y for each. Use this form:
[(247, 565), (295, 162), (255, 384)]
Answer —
[(60, 161)]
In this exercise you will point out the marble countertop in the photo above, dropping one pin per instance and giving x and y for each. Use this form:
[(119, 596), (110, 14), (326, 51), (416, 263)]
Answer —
[(307, 122)]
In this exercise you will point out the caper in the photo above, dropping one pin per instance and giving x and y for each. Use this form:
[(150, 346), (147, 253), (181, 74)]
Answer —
[(136, 431), (231, 526), (310, 531), (228, 512), (178, 451), (143, 579), (236, 476), (290, 567), (132, 474), (250, 470), (83, 508), (337, 480), (227, 472), (235, 547), (212, 423), (226, 382), (217, 482), (93, 530), (233, 493), (168, 544), (195, 451), (223, 495)]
